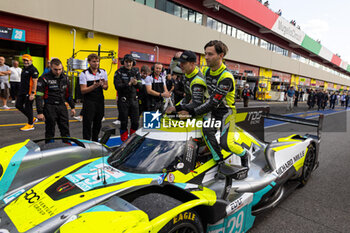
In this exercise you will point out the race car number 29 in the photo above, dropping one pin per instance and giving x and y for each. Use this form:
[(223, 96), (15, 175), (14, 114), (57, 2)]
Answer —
[(234, 223), (231, 224)]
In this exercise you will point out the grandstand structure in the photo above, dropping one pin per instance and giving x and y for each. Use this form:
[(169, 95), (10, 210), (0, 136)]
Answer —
[(265, 50)]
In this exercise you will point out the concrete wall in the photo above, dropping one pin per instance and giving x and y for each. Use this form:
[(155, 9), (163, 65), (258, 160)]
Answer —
[(129, 19)]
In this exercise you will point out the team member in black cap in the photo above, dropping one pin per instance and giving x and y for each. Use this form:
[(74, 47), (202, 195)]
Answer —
[(194, 83), (127, 80)]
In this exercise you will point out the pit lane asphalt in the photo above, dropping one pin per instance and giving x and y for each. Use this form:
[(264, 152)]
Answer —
[(323, 205)]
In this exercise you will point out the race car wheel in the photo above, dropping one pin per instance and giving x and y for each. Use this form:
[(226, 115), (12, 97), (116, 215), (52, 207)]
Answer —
[(309, 164), (155, 204)]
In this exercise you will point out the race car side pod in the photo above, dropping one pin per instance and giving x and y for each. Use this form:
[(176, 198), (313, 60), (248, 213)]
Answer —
[(297, 120)]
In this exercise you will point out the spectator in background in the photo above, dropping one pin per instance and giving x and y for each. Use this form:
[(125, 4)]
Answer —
[(143, 96), (169, 83), (342, 100), (92, 83), (47, 68), (15, 80), (296, 99), (246, 93), (4, 82), (311, 99), (320, 99), (325, 100), (332, 100), (347, 98), (279, 12), (179, 88), (156, 88), (290, 97), (267, 4)]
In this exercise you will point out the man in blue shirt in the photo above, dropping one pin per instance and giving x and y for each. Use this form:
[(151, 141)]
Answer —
[(290, 98)]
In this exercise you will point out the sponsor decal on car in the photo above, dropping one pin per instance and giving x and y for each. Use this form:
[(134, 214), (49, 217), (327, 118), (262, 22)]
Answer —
[(282, 169), (184, 216)]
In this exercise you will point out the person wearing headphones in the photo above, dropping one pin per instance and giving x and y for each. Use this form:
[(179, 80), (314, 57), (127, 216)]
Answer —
[(156, 87), (194, 83), (127, 81), (220, 106)]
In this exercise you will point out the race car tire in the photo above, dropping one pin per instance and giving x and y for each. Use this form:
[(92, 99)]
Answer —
[(308, 167), (155, 204), (185, 222)]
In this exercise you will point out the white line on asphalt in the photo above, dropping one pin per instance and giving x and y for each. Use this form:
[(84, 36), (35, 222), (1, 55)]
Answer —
[(271, 126)]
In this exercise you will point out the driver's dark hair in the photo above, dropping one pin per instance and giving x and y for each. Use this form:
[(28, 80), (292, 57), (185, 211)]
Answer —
[(93, 56), (219, 46), (55, 61)]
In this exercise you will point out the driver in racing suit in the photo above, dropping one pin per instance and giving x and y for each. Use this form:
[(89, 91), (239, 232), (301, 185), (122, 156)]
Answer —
[(194, 83), (220, 106)]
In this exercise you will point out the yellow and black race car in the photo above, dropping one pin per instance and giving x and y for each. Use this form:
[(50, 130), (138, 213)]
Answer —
[(162, 180)]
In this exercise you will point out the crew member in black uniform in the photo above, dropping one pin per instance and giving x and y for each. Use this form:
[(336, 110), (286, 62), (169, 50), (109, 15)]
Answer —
[(156, 88), (92, 83), (127, 81), (54, 89), (27, 90)]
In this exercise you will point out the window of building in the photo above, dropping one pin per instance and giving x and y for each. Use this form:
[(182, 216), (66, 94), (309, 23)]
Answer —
[(234, 32), (219, 27), (169, 7), (224, 28), (199, 18), (184, 13), (229, 30), (191, 16), (177, 10), (151, 3), (161, 5)]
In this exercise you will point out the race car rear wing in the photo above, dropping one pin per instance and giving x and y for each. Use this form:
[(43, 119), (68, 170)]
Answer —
[(297, 120), (252, 120)]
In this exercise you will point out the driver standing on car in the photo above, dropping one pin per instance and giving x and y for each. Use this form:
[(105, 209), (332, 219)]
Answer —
[(220, 105), (127, 81), (194, 83), (53, 88)]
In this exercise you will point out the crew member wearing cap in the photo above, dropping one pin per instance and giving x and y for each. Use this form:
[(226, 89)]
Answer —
[(27, 91), (127, 81), (54, 89), (220, 106), (194, 83)]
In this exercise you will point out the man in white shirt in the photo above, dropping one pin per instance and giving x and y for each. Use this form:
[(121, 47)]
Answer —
[(92, 83), (15, 80), (156, 88), (4, 82)]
